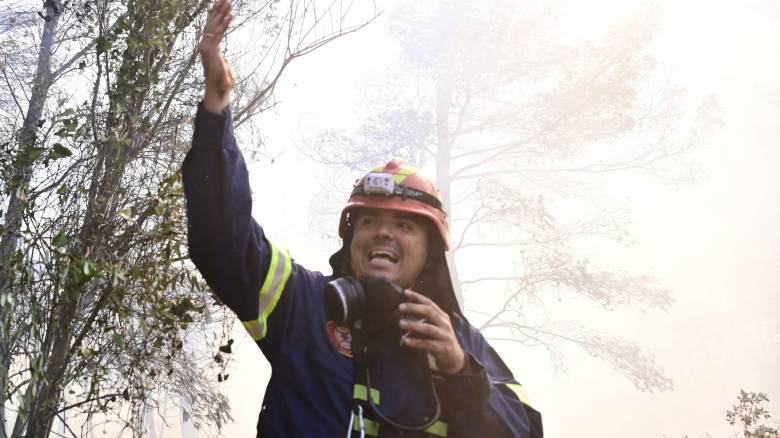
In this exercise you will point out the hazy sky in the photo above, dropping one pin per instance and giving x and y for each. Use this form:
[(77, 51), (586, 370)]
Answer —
[(714, 242)]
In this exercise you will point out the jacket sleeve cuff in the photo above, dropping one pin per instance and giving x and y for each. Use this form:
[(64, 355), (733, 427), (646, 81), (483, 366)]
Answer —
[(471, 387), (212, 130)]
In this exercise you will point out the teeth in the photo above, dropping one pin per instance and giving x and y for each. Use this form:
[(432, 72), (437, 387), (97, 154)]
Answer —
[(382, 254)]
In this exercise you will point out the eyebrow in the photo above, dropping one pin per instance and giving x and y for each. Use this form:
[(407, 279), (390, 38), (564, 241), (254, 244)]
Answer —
[(419, 221)]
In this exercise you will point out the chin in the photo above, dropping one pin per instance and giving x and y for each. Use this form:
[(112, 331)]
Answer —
[(382, 274)]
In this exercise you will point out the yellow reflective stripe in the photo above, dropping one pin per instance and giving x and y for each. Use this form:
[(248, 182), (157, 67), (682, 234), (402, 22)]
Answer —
[(438, 428), (359, 393), (520, 391), (405, 171), (278, 273), (254, 328), (372, 427)]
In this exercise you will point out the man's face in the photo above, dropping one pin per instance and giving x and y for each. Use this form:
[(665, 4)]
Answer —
[(388, 244)]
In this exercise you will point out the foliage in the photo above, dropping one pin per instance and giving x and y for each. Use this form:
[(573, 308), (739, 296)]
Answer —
[(749, 414)]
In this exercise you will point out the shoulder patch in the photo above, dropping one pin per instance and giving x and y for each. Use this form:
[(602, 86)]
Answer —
[(341, 338)]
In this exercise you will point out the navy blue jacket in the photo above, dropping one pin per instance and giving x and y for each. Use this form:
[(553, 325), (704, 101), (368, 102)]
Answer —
[(313, 387)]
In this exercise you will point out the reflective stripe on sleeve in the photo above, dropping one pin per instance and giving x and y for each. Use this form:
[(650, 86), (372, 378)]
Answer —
[(520, 392), (278, 273)]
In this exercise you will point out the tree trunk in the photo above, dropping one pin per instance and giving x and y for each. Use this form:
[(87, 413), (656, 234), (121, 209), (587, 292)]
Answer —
[(14, 211), (443, 151), (49, 390), (96, 235)]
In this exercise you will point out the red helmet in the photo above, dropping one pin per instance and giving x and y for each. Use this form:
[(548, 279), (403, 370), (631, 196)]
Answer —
[(399, 187)]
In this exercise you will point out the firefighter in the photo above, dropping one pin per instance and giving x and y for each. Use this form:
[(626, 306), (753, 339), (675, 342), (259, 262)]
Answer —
[(413, 368)]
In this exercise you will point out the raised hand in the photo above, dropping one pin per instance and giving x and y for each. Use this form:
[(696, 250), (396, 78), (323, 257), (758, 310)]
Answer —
[(220, 78), (434, 334)]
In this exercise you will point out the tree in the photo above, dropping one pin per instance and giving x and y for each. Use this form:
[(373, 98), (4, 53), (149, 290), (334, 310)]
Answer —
[(749, 414), (521, 129), (101, 309)]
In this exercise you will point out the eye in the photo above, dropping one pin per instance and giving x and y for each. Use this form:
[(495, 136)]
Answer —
[(364, 221), (406, 225)]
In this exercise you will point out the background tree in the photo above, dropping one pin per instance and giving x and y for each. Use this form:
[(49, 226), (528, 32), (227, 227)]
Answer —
[(522, 127), (102, 315), (749, 414)]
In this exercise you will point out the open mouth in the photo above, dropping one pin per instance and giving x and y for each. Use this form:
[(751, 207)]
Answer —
[(382, 255)]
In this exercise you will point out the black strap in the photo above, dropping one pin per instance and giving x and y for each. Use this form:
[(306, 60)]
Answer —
[(403, 192), (361, 353)]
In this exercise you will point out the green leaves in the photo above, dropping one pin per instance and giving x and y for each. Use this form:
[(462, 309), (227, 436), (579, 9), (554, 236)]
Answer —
[(68, 128), (33, 154), (749, 413), (118, 340), (60, 240), (87, 352), (6, 299), (159, 207), (103, 44), (127, 213), (117, 275), (29, 156), (59, 151), (86, 268), (63, 192)]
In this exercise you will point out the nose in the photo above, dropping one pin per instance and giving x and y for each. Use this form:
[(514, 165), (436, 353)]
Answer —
[(383, 230)]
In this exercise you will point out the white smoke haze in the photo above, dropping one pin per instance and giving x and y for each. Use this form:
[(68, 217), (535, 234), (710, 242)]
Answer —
[(703, 225)]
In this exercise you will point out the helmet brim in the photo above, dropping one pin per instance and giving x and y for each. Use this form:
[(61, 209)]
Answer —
[(437, 217)]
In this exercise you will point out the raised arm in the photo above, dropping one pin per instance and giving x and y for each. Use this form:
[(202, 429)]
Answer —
[(228, 247)]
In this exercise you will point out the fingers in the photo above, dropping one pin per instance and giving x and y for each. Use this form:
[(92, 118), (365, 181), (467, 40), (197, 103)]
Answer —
[(424, 329), (220, 17), (422, 306), (445, 353), (221, 12), (436, 348), (434, 333), (218, 20), (442, 344)]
